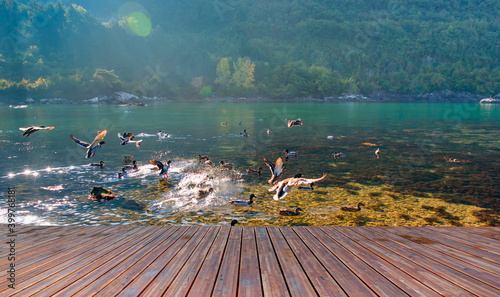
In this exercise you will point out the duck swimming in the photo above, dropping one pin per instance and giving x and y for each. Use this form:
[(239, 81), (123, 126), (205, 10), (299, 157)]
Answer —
[(310, 188), (338, 155), (253, 171), (162, 135), (122, 174), (290, 154), (377, 152), (352, 208), (202, 158), (205, 193), (30, 130), (163, 168), (244, 133), (243, 202), (132, 167), (228, 166), (276, 169), (124, 140), (293, 123), (289, 212), (128, 135), (285, 186), (94, 146), (100, 164)]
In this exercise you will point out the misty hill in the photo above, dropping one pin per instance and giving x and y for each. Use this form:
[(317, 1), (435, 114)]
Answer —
[(191, 49)]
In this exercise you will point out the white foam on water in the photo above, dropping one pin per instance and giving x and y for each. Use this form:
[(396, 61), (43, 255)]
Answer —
[(194, 177), (145, 135)]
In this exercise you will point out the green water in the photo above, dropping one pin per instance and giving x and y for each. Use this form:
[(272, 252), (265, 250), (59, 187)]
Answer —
[(439, 163)]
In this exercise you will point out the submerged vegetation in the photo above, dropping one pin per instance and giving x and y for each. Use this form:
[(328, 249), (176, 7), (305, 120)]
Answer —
[(286, 49)]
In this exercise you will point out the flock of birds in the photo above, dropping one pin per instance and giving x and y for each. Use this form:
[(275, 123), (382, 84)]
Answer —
[(282, 188)]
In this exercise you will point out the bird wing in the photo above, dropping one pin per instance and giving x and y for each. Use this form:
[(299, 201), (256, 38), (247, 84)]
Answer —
[(121, 137), (278, 167), (45, 128), (24, 129), (79, 142), (156, 163), (275, 186), (269, 164), (283, 189), (99, 137), (280, 184), (298, 181)]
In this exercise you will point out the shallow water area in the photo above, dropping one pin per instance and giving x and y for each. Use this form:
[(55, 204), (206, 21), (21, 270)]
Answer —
[(438, 165)]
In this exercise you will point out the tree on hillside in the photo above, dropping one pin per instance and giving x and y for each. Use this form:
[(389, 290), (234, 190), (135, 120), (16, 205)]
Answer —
[(243, 73), (106, 80), (223, 73)]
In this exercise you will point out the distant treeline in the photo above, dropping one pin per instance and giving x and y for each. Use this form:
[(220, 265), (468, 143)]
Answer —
[(269, 48)]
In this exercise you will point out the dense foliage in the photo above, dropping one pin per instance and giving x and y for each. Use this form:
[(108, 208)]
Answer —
[(273, 48)]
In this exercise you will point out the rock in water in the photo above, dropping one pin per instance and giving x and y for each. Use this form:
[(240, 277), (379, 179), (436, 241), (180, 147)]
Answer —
[(99, 193)]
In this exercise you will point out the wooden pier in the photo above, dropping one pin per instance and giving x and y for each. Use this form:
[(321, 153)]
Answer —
[(253, 261)]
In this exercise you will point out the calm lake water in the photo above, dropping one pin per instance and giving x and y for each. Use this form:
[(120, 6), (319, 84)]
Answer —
[(439, 163)]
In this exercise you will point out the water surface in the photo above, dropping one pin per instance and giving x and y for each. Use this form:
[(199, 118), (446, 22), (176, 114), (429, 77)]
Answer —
[(439, 163)]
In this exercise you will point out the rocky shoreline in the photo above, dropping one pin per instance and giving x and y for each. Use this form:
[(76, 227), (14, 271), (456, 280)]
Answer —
[(123, 98)]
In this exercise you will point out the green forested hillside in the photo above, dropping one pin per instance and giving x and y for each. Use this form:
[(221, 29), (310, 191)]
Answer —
[(271, 48)]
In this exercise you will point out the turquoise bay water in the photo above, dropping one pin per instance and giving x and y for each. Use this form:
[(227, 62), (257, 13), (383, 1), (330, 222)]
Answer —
[(439, 152)]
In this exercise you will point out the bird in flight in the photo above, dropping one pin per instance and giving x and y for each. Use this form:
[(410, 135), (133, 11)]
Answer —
[(94, 146), (285, 186), (276, 169), (30, 130)]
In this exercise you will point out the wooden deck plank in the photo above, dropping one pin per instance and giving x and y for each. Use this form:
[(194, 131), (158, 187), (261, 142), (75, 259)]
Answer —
[(44, 268), (32, 234), (249, 280), (142, 280), (165, 278), (110, 280), (377, 283), (65, 268), (410, 285), (322, 281), (182, 283), (86, 275), (450, 261), (255, 261), (486, 235), (462, 279), (48, 247), (36, 236), (34, 258), (273, 283), (471, 255), (132, 267), (349, 282), (491, 233), (471, 240), (42, 260), (296, 279), (204, 281), (38, 240), (227, 278), (429, 278)]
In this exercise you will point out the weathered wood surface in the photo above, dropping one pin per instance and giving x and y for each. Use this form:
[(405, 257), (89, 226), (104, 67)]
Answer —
[(254, 261)]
